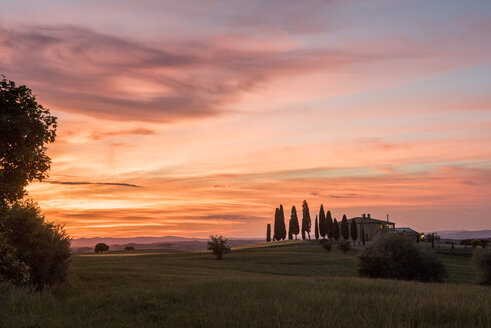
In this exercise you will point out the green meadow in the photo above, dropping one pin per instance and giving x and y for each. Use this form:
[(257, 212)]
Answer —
[(283, 284)]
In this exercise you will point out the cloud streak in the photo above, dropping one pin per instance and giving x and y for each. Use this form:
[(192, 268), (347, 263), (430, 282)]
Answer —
[(83, 183)]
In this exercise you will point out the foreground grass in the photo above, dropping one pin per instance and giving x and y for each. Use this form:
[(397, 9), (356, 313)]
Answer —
[(289, 286)]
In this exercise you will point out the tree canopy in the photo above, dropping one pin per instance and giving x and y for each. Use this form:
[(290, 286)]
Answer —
[(101, 247), (25, 128)]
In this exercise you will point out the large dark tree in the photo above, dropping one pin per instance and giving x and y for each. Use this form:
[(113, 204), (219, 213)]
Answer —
[(268, 233), (335, 230), (294, 221), (306, 222), (329, 224), (345, 228), (281, 223), (322, 222), (25, 128), (316, 228), (353, 230)]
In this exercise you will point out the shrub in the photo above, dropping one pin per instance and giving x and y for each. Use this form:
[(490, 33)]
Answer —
[(344, 246), (43, 246), (218, 245), (129, 248), (101, 247), (327, 246), (11, 268), (396, 257), (482, 259), (475, 243)]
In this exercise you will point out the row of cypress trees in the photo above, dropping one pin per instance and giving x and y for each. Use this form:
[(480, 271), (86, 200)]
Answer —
[(325, 226)]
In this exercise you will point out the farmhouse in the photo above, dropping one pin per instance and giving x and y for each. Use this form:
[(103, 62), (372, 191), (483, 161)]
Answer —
[(370, 227)]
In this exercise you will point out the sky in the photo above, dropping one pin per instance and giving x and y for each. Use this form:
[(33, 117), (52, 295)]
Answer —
[(193, 118)]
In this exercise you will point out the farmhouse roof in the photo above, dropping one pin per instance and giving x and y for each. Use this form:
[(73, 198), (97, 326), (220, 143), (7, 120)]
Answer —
[(368, 220), (406, 230)]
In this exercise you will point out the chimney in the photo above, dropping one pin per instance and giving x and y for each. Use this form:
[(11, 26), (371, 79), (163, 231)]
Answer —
[(363, 216), (368, 216)]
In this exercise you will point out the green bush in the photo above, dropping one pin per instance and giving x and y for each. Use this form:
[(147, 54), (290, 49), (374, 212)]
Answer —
[(482, 259), (475, 243), (11, 268), (129, 248), (396, 257), (344, 246), (44, 247)]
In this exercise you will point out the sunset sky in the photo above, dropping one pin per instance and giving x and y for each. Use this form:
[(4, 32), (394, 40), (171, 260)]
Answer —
[(192, 118)]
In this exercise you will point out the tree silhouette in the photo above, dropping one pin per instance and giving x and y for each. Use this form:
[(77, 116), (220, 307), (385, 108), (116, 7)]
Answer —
[(316, 228), (345, 228), (335, 230), (329, 225), (354, 231), (322, 222), (294, 222), (101, 247), (218, 246), (25, 128), (281, 223), (268, 233), (276, 231), (290, 235), (306, 222)]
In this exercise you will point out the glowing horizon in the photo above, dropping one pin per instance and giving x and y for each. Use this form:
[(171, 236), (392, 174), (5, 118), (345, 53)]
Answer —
[(191, 120)]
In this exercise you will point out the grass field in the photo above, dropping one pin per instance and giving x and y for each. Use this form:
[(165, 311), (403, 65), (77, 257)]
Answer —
[(290, 285)]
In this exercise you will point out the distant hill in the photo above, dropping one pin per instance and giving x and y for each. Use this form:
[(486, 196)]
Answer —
[(90, 242), (464, 234), (86, 245)]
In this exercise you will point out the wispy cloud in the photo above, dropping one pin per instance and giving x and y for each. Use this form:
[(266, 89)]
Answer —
[(118, 184), (108, 76), (106, 134)]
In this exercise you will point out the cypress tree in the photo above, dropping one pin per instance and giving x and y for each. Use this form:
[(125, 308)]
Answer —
[(354, 231), (335, 230), (282, 227), (290, 236), (276, 234), (268, 233), (329, 225), (294, 221), (316, 228), (322, 222), (345, 228), (306, 221)]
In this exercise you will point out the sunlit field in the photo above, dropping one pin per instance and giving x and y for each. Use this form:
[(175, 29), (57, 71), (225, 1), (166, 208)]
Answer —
[(296, 284)]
